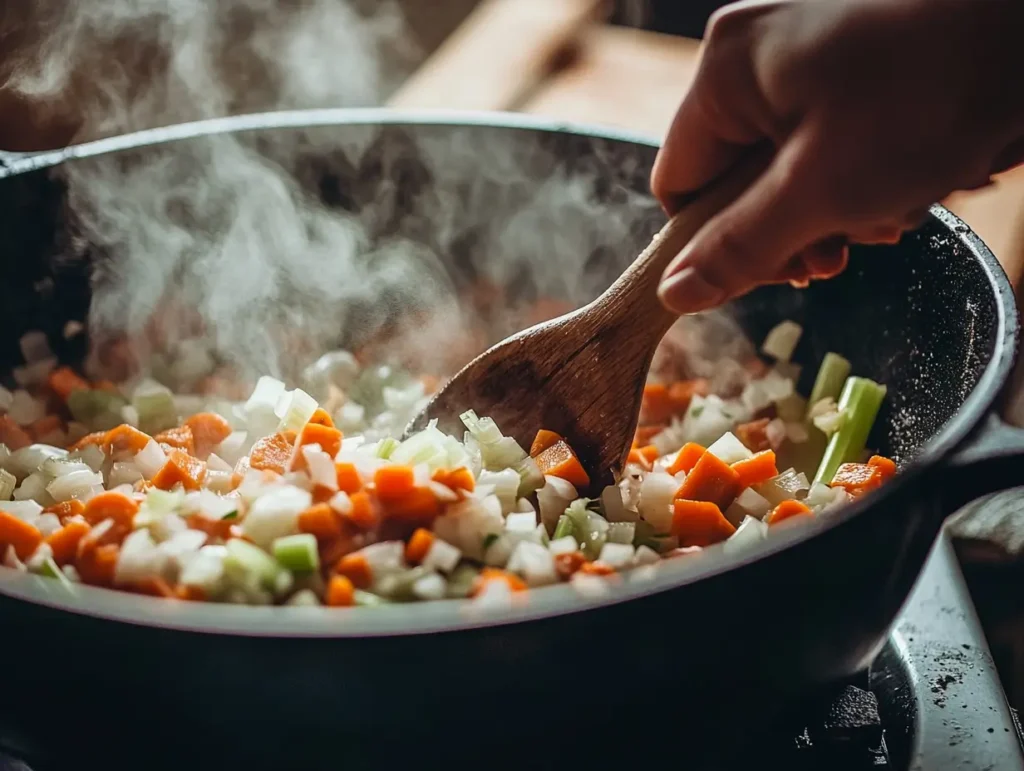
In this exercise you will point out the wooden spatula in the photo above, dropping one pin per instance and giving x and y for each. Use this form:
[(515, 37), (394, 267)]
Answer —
[(582, 375)]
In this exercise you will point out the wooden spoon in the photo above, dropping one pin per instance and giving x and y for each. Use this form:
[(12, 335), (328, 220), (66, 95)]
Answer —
[(582, 375)]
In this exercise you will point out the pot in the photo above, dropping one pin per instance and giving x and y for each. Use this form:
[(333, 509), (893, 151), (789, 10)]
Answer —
[(704, 649)]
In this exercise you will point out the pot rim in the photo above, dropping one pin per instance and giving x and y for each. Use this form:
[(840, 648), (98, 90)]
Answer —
[(460, 615)]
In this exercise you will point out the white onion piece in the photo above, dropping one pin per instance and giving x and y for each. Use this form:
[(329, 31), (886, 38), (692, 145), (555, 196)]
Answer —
[(73, 485), (341, 503), (25, 410), (442, 556), (748, 503), (614, 506), (564, 545), (27, 510), (645, 555), (321, 467), (728, 449), (534, 563), (616, 555), (35, 346), (34, 372), (219, 481), (554, 497), (521, 522), (443, 493), (233, 447), (150, 459), (216, 463), (275, 514), (385, 557), (782, 340), (749, 534), (30, 459), (34, 488), (657, 491)]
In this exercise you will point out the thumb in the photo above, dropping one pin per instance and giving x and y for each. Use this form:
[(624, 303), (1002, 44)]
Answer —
[(751, 241)]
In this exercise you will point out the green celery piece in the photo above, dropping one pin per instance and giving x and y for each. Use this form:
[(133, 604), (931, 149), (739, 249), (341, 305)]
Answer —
[(297, 552), (563, 527), (832, 374), (460, 583), (860, 400)]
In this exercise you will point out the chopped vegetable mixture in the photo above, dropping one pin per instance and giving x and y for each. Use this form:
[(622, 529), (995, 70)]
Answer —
[(291, 498)]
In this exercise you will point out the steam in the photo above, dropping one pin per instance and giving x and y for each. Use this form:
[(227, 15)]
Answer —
[(273, 247)]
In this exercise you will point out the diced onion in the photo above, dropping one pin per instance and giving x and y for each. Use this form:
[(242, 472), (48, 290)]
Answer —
[(442, 556), (553, 498), (750, 533), (150, 459), (657, 491), (782, 340), (748, 503), (616, 555), (275, 514), (728, 449), (77, 484)]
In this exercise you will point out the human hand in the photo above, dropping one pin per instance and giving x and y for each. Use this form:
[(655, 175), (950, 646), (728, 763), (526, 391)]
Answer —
[(876, 109)]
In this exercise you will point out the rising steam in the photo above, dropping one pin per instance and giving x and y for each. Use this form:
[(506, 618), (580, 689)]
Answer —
[(228, 237)]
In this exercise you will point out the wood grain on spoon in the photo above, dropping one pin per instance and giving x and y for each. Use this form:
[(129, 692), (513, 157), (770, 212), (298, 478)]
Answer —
[(582, 375)]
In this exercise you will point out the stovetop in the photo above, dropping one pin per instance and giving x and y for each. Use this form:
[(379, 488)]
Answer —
[(931, 701)]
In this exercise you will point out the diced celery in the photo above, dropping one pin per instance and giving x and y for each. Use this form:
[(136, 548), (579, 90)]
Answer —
[(385, 447), (502, 454), (96, 409), (7, 484), (484, 430), (50, 569), (300, 408), (297, 552), (860, 401), (832, 375), (156, 409), (563, 528), (243, 557), (589, 528)]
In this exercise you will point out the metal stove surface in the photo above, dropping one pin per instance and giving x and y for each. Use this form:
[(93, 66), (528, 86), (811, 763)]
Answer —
[(931, 701)]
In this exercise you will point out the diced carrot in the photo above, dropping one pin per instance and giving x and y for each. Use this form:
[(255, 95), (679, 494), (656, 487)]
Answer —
[(885, 466), (215, 528), (208, 430), (394, 482), (64, 381), (340, 592), (180, 437), (681, 393), (559, 460), (699, 523), (125, 438), (334, 549), (418, 546), (363, 513), (656, 404), (273, 453), (857, 478), (320, 520), (13, 435), (66, 509), (457, 479), (180, 468), (45, 426), (154, 587), (190, 593), (787, 510), (348, 478), (596, 569), (650, 453), (635, 457), (542, 441), (111, 505), (64, 542), (420, 505), (95, 439), (328, 437), (107, 386), (356, 568), (711, 480), (754, 435), (644, 434), (687, 458), (96, 564), (18, 533), (514, 582), (568, 563), (321, 418), (755, 470)]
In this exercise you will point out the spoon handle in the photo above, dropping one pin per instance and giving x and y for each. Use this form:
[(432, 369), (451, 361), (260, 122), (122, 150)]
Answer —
[(633, 298)]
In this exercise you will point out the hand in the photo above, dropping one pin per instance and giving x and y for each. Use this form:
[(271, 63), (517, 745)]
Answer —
[(876, 109)]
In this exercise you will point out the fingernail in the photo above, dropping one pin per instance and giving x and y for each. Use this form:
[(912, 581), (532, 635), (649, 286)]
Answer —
[(688, 292)]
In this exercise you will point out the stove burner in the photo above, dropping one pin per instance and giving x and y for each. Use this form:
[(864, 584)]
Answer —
[(932, 701)]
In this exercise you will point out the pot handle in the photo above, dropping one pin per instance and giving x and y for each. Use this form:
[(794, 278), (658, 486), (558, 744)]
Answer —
[(992, 460)]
